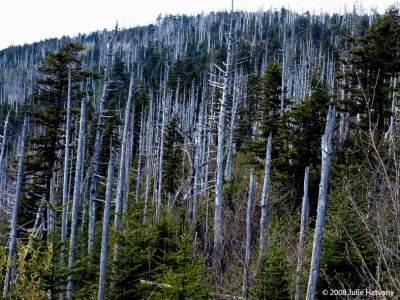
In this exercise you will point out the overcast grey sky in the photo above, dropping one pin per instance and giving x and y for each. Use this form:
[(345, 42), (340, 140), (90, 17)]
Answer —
[(26, 21)]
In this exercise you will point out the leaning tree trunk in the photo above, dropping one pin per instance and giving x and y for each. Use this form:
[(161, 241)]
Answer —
[(326, 147), (3, 149), (106, 229), (121, 173), (13, 231), (75, 200), (249, 221), (97, 144), (303, 227), (264, 197), (64, 219)]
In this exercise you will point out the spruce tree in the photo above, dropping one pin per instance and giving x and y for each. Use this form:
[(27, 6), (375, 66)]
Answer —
[(47, 112)]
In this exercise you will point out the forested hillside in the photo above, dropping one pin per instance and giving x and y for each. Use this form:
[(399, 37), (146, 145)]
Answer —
[(233, 155)]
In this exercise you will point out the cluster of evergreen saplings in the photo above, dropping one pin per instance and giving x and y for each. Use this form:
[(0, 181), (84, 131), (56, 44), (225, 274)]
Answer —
[(157, 131)]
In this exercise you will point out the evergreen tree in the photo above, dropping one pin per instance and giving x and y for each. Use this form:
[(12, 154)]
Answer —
[(374, 62), (173, 156), (271, 110), (47, 113), (272, 281)]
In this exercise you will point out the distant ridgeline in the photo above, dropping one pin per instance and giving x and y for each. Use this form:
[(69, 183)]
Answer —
[(301, 44)]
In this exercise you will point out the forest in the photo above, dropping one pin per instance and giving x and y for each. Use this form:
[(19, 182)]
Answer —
[(229, 155)]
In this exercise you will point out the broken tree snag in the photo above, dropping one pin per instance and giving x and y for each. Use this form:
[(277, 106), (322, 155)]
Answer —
[(303, 227), (249, 221), (326, 148), (264, 197)]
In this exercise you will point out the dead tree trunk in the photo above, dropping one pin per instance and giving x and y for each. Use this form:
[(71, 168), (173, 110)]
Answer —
[(249, 217), (13, 231), (3, 149), (326, 147), (303, 228), (121, 174), (75, 200), (64, 219), (97, 144), (106, 229), (264, 197), (218, 239)]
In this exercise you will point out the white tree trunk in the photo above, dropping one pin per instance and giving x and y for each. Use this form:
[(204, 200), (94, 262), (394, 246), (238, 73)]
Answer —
[(326, 147), (303, 228), (121, 173), (264, 197), (13, 229), (106, 228), (97, 144), (249, 220), (2, 151), (218, 238), (75, 200), (64, 219)]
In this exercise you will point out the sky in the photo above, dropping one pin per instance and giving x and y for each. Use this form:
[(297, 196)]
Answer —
[(27, 21)]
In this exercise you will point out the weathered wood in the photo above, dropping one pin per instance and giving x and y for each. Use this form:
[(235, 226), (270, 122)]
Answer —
[(303, 228), (218, 238), (14, 219), (264, 197), (249, 229), (106, 228), (75, 199), (64, 219), (326, 147), (121, 172), (98, 142)]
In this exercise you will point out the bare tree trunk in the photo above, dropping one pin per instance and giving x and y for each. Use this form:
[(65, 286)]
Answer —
[(75, 200), (264, 197), (303, 228), (218, 239), (97, 144), (64, 219), (106, 228), (121, 173), (161, 156), (249, 217), (13, 230), (3, 149), (139, 166), (326, 147), (235, 102)]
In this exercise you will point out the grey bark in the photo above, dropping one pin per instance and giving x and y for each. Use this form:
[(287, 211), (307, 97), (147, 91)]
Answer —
[(106, 229), (218, 238), (264, 197), (64, 219), (121, 173), (326, 149), (2, 151), (14, 219), (249, 219), (303, 228), (97, 144), (75, 200)]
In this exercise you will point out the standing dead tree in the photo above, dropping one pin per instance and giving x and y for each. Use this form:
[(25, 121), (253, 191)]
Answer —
[(75, 199), (264, 197), (326, 149), (303, 227), (98, 143), (218, 238), (14, 219), (106, 228), (249, 221)]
